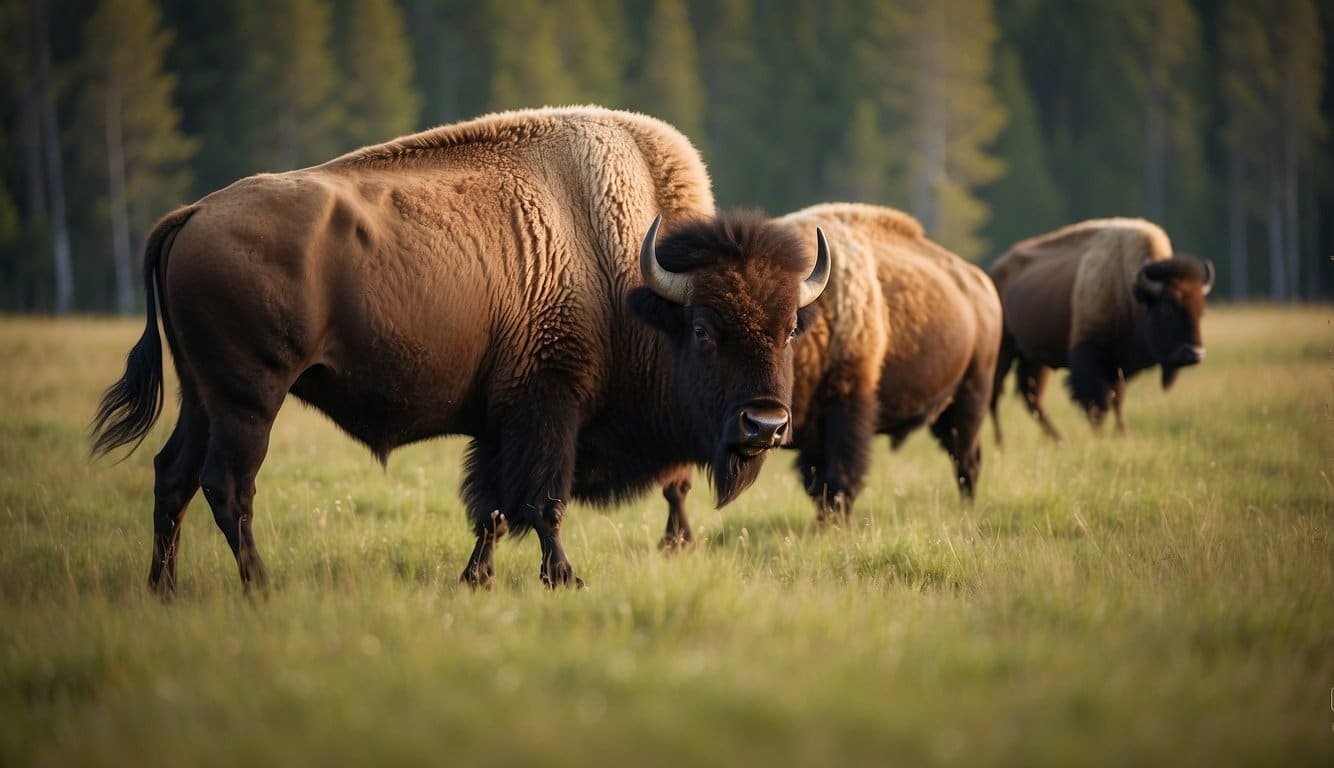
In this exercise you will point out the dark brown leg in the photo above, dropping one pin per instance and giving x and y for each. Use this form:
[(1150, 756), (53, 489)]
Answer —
[(1032, 383), (238, 442), (678, 534), (959, 430), (176, 467)]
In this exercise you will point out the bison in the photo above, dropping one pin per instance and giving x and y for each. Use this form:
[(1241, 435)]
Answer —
[(906, 336), (1105, 298), (490, 278)]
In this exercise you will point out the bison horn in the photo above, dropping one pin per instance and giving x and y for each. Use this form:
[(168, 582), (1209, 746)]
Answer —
[(813, 286), (1207, 283), (1147, 285), (672, 286)]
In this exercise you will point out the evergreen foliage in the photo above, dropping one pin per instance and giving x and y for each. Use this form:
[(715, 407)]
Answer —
[(990, 120), (376, 57)]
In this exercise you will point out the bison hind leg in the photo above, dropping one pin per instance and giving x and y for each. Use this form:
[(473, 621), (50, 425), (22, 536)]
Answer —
[(1031, 384), (237, 444), (176, 480), (958, 429)]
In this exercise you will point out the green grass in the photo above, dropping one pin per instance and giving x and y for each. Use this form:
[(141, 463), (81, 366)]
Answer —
[(1166, 597)]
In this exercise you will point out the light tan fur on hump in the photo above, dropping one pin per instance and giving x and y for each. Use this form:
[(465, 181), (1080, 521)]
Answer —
[(852, 306), (1102, 302)]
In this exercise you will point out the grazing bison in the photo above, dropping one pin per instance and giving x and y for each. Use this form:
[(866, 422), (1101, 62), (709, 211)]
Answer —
[(1105, 298), (906, 335), (476, 279)]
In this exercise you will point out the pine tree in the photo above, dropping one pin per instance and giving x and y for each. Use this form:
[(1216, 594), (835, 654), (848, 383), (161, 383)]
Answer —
[(131, 139), (1271, 81), (593, 47), (1026, 200), (732, 75), (670, 84), (861, 170), (291, 113), (378, 96), (929, 61), (527, 69)]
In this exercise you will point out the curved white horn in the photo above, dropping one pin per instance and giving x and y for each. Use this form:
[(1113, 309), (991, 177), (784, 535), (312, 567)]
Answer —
[(672, 286), (1208, 282), (813, 286)]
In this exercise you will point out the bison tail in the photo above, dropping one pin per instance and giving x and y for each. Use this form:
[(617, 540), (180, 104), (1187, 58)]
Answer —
[(131, 406)]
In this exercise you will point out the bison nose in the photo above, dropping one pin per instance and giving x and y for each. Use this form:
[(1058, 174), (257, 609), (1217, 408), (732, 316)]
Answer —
[(763, 426), (1188, 354)]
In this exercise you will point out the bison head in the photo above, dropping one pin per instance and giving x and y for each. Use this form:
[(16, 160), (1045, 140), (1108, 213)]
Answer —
[(730, 294), (1172, 292)]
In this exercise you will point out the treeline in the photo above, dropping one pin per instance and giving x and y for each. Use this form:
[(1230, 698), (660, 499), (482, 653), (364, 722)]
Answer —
[(990, 121)]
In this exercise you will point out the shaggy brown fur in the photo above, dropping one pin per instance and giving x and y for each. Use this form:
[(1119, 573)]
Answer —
[(474, 279), (906, 336), (1074, 289)]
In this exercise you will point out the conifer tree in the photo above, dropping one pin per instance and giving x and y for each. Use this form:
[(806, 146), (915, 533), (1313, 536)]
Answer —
[(860, 171), (670, 84), (290, 81), (378, 95), (929, 61), (593, 47), (1026, 200), (527, 70), (130, 129), (1271, 81)]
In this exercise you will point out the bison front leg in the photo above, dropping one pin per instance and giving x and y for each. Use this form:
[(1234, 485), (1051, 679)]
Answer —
[(1091, 382), (483, 499), (678, 535), (834, 470), (537, 475)]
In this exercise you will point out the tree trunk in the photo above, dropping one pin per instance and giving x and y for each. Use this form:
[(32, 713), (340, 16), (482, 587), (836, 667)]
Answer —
[(1278, 285), (1155, 152), (120, 217), (932, 111), (29, 291), (50, 127), (1292, 243), (1239, 257)]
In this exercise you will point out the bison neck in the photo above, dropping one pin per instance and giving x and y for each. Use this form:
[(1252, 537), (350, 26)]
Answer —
[(640, 432)]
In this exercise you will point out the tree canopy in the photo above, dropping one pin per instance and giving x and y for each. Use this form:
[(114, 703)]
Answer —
[(990, 120)]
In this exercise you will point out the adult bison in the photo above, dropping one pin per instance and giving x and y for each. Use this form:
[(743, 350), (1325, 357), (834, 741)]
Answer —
[(1105, 298), (476, 279), (906, 336)]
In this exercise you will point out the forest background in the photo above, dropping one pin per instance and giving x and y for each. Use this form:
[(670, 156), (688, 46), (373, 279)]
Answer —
[(991, 121)]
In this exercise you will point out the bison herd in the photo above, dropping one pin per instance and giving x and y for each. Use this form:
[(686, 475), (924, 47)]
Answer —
[(557, 285)]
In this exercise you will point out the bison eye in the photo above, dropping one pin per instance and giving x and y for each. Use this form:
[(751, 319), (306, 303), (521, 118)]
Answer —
[(792, 334), (701, 333)]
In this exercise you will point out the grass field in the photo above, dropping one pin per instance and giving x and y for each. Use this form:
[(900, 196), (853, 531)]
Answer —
[(1166, 597)]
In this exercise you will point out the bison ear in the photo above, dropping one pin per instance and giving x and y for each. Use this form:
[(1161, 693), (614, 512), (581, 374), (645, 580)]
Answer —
[(657, 311)]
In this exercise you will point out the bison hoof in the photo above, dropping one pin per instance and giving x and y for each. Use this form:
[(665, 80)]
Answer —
[(560, 574), (671, 544), (478, 577)]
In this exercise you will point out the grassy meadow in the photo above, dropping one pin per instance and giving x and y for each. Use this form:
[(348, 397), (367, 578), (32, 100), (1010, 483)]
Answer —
[(1166, 597)]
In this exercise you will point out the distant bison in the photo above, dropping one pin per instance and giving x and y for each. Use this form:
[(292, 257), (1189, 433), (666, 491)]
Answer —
[(491, 278), (1105, 298), (906, 336)]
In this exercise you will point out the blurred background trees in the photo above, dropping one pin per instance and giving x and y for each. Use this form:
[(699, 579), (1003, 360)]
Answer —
[(990, 120)]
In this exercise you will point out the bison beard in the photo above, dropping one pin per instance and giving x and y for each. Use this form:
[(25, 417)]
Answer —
[(732, 473)]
